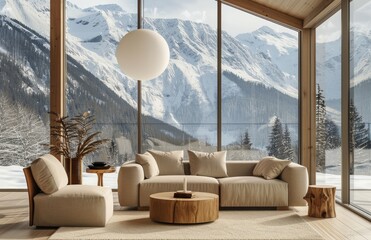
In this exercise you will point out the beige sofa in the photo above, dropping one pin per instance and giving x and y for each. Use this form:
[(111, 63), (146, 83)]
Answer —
[(239, 189)]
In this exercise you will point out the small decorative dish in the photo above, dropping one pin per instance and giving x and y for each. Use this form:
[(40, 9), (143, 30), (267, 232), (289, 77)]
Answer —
[(99, 164), (99, 167)]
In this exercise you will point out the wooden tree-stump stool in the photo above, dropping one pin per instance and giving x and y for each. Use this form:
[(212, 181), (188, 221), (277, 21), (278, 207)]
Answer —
[(321, 201)]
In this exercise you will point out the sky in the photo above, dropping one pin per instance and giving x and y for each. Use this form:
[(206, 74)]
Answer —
[(330, 30), (234, 21)]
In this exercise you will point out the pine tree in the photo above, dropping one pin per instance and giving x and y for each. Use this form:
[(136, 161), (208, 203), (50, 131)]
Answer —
[(113, 152), (246, 143), (358, 130), (359, 138), (288, 151), (320, 130), (332, 135), (276, 140)]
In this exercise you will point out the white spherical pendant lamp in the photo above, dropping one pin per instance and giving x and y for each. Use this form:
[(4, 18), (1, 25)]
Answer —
[(143, 54)]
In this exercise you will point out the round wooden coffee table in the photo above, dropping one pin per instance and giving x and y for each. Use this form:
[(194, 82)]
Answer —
[(203, 207)]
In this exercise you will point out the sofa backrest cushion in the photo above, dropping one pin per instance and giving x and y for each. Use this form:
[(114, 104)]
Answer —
[(148, 163), (235, 168), (49, 174), (270, 167), (208, 164), (238, 168), (169, 163)]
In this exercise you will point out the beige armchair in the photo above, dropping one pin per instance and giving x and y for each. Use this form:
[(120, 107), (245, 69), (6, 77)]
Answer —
[(53, 203)]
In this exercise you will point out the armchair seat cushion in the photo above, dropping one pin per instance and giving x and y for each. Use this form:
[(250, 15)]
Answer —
[(252, 191), (74, 205)]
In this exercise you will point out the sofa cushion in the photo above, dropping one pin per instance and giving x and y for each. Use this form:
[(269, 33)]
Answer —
[(270, 167), (252, 191), (49, 174), (169, 163), (74, 205), (240, 167), (208, 164), (148, 163), (172, 183)]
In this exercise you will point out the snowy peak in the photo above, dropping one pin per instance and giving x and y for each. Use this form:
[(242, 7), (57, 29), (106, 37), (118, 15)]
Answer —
[(283, 42), (106, 8), (109, 21)]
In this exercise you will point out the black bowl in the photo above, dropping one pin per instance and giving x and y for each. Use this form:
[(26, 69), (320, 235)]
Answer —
[(99, 164)]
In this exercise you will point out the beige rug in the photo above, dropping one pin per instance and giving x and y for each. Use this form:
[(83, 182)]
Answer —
[(132, 225)]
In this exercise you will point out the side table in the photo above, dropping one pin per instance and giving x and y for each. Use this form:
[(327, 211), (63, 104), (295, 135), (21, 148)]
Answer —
[(100, 173), (321, 201)]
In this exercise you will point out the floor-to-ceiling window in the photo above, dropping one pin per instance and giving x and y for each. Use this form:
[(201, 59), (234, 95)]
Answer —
[(182, 102), (259, 87), (359, 104), (328, 102), (24, 87), (180, 107), (95, 83)]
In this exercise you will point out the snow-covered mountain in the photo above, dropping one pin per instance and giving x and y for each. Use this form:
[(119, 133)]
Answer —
[(190, 79), (328, 68), (191, 75), (329, 72), (24, 81)]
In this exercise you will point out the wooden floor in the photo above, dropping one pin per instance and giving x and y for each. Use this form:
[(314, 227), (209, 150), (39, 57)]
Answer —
[(14, 221)]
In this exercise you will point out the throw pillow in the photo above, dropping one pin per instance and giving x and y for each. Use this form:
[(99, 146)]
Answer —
[(169, 163), (208, 164), (148, 163), (49, 174), (270, 167)]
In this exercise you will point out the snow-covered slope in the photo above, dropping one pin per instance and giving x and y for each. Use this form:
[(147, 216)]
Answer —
[(190, 79), (280, 48), (33, 13), (92, 37)]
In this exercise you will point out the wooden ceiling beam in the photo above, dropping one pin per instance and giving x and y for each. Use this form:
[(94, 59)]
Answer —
[(267, 13), (321, 13)]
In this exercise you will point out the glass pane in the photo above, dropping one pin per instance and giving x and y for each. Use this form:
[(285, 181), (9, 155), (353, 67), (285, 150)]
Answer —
[(259, 89), (328, 102), (24, 87), (95, 82), (360, 107), (181, 104)]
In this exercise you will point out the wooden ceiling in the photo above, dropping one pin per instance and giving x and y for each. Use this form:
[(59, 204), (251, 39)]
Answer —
[(296, 14)]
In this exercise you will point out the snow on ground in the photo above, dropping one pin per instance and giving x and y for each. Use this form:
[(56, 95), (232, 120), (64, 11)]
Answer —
[(12, 177), (357, 182)]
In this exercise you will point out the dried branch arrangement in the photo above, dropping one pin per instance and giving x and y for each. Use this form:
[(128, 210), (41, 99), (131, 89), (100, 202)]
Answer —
[(74, 137)]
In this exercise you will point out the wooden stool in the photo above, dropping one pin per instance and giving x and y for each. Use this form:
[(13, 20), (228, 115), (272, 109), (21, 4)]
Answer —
[(321, 201)]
